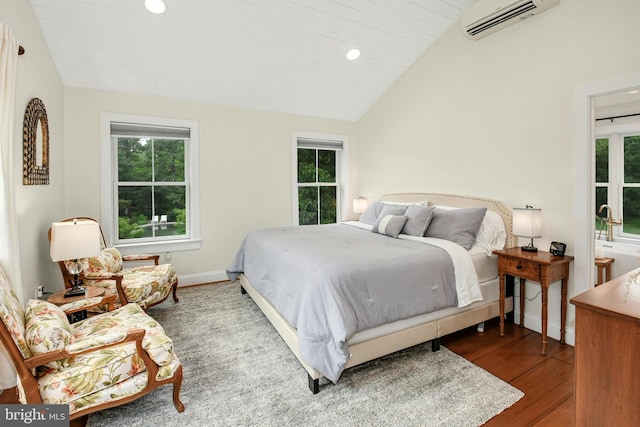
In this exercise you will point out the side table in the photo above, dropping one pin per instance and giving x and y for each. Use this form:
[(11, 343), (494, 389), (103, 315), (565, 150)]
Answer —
[(541, 267), (604, 266), (79, 311)]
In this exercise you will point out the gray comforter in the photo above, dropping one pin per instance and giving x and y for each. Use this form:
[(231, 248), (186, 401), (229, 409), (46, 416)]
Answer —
[(331, 281)]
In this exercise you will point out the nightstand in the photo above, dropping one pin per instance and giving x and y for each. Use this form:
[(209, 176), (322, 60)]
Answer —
[(541, 267)]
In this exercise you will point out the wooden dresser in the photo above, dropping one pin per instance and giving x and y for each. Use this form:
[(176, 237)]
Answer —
[(607, 388)]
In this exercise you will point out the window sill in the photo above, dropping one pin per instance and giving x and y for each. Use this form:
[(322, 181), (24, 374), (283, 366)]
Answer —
[(157, 247)]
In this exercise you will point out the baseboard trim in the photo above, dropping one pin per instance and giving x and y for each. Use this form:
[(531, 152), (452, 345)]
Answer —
[(553, 329), (201, 278)]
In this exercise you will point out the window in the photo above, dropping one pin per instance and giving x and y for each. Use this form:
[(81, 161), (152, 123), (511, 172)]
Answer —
[(318, 175), (617, 174), (150, 189)]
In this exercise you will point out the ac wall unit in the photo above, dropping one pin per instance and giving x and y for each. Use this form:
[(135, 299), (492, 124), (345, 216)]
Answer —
[(488, 16)]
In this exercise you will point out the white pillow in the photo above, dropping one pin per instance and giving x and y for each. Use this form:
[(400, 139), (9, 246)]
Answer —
[(492, 234), (420, 203)]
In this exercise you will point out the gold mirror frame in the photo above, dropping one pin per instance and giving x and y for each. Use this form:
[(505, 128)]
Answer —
[(32, 173)]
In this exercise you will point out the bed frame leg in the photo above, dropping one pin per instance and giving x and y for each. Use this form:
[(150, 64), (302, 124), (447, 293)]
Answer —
[(314, 385), (435, 345)]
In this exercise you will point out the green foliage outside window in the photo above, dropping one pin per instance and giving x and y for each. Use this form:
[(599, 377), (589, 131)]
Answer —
[(631, 193), (317, 204), (602, 160), (630, 186), (151, 187)]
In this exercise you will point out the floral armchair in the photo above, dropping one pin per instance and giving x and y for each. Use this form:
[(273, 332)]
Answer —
[(98, 363), (146, 285)]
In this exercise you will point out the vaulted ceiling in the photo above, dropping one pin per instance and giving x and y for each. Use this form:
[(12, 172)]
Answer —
[(277, 55)]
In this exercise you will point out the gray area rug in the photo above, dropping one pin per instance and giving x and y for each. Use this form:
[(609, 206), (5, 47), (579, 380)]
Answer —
[(239, 372)]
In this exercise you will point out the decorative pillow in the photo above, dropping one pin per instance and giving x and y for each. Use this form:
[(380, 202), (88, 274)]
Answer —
[(375, 209), (109, 260), (457, 225), (47, 329), (391, 210), (389, 225), (418, 219)]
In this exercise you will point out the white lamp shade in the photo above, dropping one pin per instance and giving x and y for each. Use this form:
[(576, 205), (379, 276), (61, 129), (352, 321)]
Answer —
[(360, 205), (74, 240), (527, 222)]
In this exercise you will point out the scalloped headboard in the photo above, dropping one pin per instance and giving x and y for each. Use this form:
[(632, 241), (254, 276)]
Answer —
[(460, 202)]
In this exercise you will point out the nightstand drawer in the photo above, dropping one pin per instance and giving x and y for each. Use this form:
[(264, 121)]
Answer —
[(518, 267)]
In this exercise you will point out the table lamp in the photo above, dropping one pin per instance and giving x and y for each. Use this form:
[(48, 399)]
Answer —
[(71, 240), (527, 222), (360, 205)]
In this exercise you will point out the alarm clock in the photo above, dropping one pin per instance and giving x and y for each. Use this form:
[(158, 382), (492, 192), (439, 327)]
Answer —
[(557, 248)]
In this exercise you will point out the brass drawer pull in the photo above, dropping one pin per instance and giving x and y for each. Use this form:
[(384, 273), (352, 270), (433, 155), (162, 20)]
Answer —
[(519, 266)]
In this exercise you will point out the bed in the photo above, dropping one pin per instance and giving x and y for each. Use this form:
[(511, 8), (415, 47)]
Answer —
[(286, 282)]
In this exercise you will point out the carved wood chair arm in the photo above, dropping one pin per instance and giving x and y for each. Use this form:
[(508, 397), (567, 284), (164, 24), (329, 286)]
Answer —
[(102, 276), (142, 257), (135, 334)]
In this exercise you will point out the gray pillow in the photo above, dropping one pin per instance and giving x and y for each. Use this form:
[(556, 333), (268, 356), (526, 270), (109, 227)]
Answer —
[(370, 215), (374, 210), (389, 225), (418, 219), (457, 225)]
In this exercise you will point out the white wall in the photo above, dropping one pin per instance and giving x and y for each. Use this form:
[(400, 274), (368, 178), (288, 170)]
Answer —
[(245, 165), (37, 205), (495, 117)]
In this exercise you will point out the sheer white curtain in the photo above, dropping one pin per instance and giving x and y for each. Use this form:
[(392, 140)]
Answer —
[(9, 250)]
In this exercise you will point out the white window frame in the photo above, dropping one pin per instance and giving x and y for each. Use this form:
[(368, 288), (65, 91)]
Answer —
[(109, 175), (612, 157), (616, 133), (342, 168)]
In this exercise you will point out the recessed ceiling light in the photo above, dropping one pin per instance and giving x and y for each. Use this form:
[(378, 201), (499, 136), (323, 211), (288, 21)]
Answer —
[(633, 92), (155, 6), (353, 54)]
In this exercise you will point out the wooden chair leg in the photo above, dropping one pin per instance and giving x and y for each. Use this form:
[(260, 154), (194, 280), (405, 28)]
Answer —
[(176, 390), (79, 422), (175, 290)]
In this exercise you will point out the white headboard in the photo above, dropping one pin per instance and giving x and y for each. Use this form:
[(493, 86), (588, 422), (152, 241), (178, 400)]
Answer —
[(460, 202)]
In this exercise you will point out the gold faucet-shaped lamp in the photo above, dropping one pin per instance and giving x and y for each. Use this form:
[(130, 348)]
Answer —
[(609, 221)]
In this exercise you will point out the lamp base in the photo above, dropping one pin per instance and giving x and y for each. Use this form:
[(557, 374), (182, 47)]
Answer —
[(76, 291), (529, 247)]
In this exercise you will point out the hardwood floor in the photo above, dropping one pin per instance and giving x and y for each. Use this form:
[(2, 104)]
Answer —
[(547, 381)]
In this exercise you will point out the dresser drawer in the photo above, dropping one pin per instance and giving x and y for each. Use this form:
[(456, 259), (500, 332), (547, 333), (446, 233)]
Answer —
[(521, 268)]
